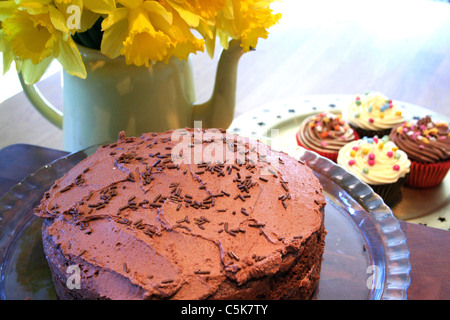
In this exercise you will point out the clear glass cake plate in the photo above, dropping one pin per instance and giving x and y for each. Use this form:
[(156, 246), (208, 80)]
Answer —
[(366, 255)]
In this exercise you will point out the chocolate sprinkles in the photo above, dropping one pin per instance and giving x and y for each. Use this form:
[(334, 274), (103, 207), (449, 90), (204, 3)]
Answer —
[(67, 188), (244, 211), (198, 271), (256, 225)]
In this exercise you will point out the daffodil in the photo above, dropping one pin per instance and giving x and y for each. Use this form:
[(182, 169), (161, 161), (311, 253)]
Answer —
[(128, 31), (182, 40), (193, 12), (247, 20), (5, 48), (34, 32), (199, 15), (80, 15), (71, 16), (31, 36), (144, 43), (28, 30), (146, 31)]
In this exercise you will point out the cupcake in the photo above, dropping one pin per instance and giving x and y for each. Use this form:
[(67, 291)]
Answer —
[(325, 133), (379, 163), (373, 114), (427, 145)]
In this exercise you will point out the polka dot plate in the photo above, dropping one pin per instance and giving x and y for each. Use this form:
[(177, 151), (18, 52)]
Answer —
[(280, 120)]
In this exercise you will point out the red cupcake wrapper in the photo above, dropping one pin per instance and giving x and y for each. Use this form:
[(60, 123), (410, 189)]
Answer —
[(330, 155), (427, 175)]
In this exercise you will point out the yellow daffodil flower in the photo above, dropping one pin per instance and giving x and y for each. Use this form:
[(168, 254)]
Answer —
[(144, 31), (144, 42), (34, 32), (72, 16), (30, 36), (247, 20), (8, 56), (199, 15), (128, 31), (35, 35)]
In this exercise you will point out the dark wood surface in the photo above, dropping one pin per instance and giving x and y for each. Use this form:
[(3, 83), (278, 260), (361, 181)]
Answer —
[(430, 261), (429, 247)]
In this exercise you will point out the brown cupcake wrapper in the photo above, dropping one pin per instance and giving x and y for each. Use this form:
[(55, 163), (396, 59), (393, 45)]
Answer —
[(390, 193), (371, 133), (427, 175)]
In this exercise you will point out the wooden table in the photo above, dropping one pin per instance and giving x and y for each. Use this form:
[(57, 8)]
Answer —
[(429, 247)]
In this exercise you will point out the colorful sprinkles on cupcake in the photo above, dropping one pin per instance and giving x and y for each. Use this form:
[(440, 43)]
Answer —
[(330, 126), (375, 160), (423, 140), (325, 133), (379, 163), (377, 106), (425, 131), (372, 114), (427, 144)]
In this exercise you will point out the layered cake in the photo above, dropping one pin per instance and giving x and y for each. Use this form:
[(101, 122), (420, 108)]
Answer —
[(185, 214), (325, 133)]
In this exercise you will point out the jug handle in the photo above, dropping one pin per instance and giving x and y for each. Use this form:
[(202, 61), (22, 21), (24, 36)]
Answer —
[(41, 104)]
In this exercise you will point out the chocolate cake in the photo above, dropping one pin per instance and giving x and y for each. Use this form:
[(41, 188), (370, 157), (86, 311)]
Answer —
[(185, 214)]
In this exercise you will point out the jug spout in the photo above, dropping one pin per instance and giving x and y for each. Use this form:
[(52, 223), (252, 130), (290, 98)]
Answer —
[(218, 111)]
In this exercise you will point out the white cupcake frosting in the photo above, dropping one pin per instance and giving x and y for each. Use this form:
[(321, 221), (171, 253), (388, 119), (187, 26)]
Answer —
[(373, 111), (375, 161)]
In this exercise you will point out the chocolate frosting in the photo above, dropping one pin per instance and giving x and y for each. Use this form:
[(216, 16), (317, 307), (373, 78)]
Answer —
[(325, 132), (150, 219), (423, 140)]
